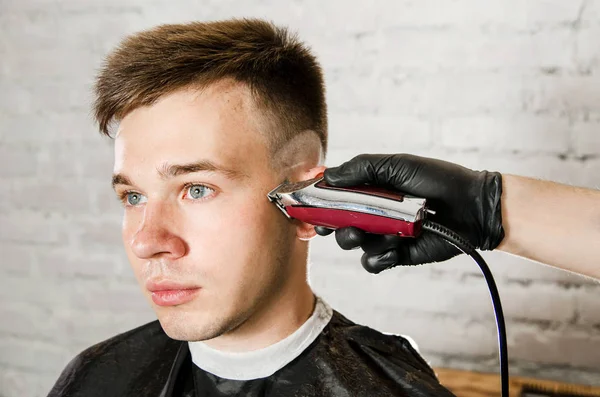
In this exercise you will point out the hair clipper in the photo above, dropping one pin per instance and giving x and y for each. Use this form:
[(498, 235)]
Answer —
[(368, 208)]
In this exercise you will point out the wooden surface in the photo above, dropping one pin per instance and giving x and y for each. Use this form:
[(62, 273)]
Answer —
[(473, 384)]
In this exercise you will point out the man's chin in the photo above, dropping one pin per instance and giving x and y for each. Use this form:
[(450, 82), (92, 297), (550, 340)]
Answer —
[(188, 327)]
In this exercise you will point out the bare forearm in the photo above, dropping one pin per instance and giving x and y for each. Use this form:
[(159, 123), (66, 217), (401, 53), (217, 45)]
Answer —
[(551, 223)]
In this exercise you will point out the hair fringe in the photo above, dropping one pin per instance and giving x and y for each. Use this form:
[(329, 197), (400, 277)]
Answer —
[(281, 72)]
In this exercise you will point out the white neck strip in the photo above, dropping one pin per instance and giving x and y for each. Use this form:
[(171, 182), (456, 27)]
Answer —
[(263, 362)]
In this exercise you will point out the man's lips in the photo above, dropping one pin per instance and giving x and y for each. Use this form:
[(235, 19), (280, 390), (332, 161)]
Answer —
[(168, 293)]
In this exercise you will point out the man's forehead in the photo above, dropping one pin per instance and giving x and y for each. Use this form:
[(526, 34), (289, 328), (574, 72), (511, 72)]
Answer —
[(225, 104), (205, 130), (215, 104), (185, 121), (174, 157)]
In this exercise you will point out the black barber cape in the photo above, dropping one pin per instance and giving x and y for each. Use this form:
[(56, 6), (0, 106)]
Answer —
[(345, 359)]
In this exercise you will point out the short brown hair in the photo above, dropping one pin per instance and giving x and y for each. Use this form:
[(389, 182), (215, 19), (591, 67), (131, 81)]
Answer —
[(285, 79)]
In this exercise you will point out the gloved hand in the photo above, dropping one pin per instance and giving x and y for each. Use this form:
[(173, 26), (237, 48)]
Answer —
[(466, 201)]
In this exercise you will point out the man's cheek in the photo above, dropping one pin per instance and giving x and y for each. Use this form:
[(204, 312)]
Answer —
[(129, 226), (212, 237), (244, 216)]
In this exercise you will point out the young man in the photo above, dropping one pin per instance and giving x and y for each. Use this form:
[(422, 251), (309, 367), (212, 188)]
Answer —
[(212, 116)]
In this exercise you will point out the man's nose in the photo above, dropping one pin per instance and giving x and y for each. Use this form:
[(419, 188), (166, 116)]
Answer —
[(155, 236)]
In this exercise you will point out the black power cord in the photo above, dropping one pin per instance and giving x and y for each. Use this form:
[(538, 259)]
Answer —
[(466, 247)]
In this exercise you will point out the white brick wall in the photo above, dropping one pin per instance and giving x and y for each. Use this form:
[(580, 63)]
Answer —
[(507, 85)]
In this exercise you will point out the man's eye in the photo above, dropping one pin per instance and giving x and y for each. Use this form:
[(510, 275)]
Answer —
[(198, 191), (134, 198)]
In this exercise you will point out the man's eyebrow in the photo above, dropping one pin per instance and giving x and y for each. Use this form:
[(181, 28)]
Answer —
[(167, 171), (120, 179)]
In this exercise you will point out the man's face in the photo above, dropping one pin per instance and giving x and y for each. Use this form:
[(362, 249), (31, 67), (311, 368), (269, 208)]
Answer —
[(206, 246)]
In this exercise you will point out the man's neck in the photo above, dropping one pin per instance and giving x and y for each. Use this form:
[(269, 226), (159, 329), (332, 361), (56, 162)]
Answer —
[(263, 362), (273, 321)]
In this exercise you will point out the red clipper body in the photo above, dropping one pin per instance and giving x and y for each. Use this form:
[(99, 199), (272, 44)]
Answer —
[(367, 208)]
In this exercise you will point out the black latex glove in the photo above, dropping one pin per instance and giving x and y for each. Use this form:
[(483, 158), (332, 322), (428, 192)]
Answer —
[(466, 201)]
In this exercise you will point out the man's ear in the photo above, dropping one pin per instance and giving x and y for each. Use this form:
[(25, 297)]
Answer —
[(306, 231)]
